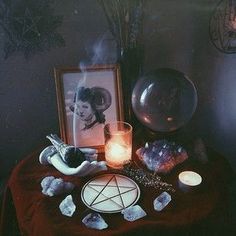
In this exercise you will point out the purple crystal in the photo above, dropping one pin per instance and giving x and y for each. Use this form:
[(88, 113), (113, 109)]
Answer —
[(161, 201), (162, 156)]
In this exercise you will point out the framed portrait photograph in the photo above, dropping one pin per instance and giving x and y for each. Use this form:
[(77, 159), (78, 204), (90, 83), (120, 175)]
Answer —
[(87, 99)]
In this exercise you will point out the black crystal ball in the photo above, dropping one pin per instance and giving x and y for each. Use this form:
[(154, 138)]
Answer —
[(164, 100)]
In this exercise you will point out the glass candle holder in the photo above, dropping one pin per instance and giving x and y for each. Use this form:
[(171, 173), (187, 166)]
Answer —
[(118, 143)]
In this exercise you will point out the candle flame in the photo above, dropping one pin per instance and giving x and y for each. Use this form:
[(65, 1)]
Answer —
[(117, 149), (116, 154)]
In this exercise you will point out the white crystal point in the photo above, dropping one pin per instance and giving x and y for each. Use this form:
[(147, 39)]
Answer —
[(133, 213), (161, 201), (94, 221), (67, 206)]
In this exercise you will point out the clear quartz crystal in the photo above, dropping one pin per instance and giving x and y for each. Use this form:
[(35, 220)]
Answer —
[(67, 206), (133, 213), (46, 182), (56, 187), (162, 201), (52, 186), (94, 221)]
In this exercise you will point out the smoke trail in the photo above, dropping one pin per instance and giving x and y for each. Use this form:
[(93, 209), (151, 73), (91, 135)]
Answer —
[(81, 83), (102, 51)]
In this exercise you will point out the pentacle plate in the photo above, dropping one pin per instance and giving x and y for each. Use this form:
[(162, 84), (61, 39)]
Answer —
[(110, 193)]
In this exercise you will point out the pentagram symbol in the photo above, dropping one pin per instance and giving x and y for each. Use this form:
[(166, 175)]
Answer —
[(29, 27), (29, 22), (110, 193)]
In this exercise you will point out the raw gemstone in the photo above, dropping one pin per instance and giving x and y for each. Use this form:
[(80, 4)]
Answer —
[(56, 187), (94, 221), (52, 186), (161, 156), (67, 206), (162, 201), (133, 213), (45, 183)]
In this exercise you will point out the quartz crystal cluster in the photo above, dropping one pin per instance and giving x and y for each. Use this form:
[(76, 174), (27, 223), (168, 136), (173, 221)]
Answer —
[(161, 156), (52, 186), (94, 221)]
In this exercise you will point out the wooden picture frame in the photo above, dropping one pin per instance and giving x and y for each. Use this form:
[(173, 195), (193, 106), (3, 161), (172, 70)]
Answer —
[(87, 99)]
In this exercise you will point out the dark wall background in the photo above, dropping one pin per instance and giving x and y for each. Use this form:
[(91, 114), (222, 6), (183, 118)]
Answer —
[(176, 36)]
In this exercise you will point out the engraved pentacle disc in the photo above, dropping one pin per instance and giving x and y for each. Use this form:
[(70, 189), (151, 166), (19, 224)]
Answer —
[(110, 193)]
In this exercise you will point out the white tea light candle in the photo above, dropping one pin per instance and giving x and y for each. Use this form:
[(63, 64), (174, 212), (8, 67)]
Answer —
[(190, 178)]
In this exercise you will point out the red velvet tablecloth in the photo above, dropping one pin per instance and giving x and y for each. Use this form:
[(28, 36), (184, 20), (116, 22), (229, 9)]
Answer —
[(38, 214)]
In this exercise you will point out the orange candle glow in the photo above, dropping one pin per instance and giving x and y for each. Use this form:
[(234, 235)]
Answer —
[(116, 154), (118, 144)]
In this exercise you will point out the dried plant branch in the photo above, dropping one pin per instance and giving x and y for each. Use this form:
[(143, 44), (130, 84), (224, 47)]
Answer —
[(147, 179), (124, 20)]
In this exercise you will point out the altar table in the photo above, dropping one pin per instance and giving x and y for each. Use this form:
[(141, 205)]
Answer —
[(196, 211)]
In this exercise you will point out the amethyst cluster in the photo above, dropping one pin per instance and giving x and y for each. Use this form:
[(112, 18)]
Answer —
[(161, 156)]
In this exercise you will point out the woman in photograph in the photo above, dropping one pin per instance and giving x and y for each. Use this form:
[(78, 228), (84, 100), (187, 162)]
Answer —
[(89, 106)]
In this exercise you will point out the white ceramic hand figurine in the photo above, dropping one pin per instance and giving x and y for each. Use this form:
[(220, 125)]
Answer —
[(50, 156)]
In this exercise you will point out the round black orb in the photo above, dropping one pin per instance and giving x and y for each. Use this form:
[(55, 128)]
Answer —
[(164, 100)]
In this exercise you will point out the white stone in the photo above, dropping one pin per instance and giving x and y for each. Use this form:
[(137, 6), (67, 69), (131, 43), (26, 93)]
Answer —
[(52, 186), (133, 213), (94, 221), (67, 206)]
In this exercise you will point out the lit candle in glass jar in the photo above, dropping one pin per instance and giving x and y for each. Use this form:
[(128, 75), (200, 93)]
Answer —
[(116, 154), (118, 143)]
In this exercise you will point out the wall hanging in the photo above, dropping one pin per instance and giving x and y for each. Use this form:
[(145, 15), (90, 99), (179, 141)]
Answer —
[(29, 26), (223, 26)]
